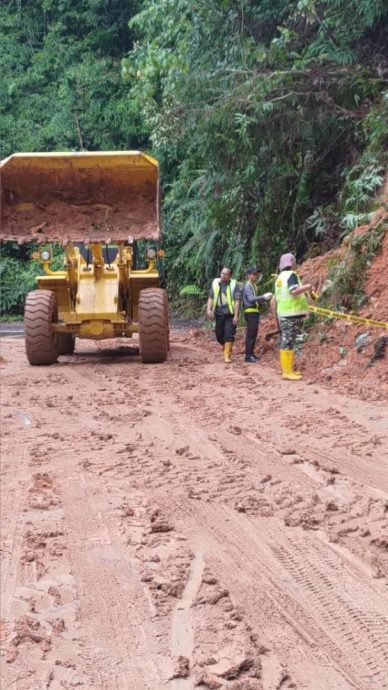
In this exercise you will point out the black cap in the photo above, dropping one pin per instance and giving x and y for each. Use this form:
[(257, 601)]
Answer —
[(252, 269)]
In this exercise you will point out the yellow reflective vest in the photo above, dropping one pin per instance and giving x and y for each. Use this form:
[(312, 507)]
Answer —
[(252, 310), (287, 305), (229, 293)]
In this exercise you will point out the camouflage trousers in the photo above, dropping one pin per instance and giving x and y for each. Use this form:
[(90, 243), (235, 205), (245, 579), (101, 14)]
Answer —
[(290, 328)]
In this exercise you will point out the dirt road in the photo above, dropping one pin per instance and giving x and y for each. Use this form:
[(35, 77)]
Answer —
[(189, 525)]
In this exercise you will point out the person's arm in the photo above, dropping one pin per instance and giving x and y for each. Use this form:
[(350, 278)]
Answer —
[(275, 308), (300, 289), (250, 299), (210, 312), (295, 288), (236, 311), (237, 297)]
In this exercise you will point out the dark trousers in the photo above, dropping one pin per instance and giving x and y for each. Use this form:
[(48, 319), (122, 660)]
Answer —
[(225, 329), (252, 320)]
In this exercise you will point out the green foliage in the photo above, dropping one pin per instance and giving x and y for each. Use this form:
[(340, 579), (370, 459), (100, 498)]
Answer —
[(18, 274), (60, 77), (191, 302), (256, 111), (351, 220), (347, 276), (269, 117), (361, 184), (16, 280), (191, 291)]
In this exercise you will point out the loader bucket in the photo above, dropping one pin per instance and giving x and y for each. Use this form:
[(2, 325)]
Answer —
[(83, 197)]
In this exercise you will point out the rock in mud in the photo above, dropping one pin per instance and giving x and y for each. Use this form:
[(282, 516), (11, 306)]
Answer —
[(181, 667)]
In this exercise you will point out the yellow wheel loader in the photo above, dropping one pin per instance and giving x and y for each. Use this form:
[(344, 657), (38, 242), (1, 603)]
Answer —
[(98, 206)]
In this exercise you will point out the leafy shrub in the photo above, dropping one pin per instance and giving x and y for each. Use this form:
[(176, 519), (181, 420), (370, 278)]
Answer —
[(18, 274), (348, 275), (16, 279)]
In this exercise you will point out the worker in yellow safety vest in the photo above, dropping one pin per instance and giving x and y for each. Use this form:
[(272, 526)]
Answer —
[(291, 308), (224, 304), (252, 302)]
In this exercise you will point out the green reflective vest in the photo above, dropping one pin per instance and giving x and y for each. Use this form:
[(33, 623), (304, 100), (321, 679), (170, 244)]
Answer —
[(252, 310), (229, 293), (287, 305)]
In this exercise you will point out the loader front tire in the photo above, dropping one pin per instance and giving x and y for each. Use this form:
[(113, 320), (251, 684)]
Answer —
[(153, 326), (40, 313), (66, 343)]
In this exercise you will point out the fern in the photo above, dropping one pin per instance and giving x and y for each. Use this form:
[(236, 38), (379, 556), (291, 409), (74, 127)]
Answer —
[(352, 220), (361, 184), (191, 291)]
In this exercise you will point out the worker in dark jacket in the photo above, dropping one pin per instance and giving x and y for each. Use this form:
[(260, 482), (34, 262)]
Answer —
[(224, 304), (251, 302)]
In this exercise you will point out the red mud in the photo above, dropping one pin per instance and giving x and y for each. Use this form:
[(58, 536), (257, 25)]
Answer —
[(190, 525), (84, 205), (82, 223)]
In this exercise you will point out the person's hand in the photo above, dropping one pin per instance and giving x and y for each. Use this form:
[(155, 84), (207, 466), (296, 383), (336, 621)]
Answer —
[(235, 320), (209, 314)]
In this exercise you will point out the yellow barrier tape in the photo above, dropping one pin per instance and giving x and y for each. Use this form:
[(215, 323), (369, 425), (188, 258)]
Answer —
[(348, 317)]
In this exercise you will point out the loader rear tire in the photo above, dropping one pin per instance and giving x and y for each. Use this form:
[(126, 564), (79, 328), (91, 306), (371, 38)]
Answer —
[(40, 313), (153, 326), (66, 343)]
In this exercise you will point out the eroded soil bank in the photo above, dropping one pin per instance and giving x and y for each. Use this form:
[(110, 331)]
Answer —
[(189, 525)]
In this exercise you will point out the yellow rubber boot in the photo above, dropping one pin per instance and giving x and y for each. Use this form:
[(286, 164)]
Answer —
[(295, 371), (228, 348), (287, 362)]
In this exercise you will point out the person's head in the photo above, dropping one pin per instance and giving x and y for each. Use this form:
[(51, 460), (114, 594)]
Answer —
[(287, 261), (226, 274), (253, 274)]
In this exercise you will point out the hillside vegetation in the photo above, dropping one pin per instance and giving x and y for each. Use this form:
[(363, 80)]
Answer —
[(269, 118)]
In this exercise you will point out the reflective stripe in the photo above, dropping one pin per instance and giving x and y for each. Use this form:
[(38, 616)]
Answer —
[(229, 293), (287, 305), (251, 310)]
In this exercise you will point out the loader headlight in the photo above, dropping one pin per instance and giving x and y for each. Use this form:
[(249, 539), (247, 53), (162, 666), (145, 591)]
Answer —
[(45, 255), (151, 253)]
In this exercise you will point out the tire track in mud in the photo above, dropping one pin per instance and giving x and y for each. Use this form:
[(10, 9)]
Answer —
[(15, 487), (11, 501), (182, 634), (112, 601), (295, 463), (307, 584), (360, 630), (253, 397), (38, 615)]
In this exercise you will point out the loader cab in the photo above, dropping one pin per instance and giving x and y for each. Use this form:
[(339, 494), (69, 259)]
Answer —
[(109, 252)]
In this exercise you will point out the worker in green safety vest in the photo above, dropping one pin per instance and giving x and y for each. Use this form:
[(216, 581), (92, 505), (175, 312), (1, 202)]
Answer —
[(224, 304), (291, 308)]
